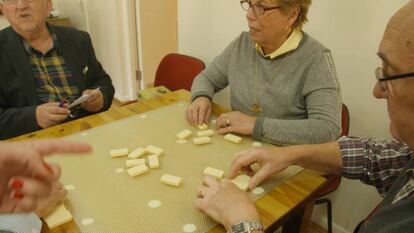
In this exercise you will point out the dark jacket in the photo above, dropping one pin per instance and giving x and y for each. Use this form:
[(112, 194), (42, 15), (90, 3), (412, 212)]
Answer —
[(393, 218), (18, 97)]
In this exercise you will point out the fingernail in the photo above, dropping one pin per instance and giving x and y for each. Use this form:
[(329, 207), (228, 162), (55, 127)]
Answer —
[(47, 167), (17, 184), (18, 195)]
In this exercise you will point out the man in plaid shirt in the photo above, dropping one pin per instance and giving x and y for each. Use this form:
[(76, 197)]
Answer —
[(41, 67), (388, 165)]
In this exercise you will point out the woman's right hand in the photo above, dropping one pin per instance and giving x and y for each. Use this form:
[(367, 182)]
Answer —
[(271, 160), (199, 111), (224, 202)]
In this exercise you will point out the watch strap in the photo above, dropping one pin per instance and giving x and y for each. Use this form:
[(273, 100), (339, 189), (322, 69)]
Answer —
[(247, 226)]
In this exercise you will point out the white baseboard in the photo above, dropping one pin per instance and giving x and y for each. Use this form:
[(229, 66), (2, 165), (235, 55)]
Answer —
[(322, 222), (123, 98)]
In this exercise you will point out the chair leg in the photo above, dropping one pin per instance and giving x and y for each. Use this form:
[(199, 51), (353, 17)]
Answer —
[(328, 211)]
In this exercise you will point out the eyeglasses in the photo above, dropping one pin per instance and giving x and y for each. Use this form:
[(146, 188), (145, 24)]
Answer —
[(381, 78), (14, 2), (258, 9)]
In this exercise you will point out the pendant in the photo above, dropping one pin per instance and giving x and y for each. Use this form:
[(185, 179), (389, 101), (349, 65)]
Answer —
[(256, 108)]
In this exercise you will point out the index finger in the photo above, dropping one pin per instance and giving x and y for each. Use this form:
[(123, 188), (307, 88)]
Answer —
[(207, 116), (56, 110), (189, 113), (49, 146), (242, 159), (201, 115), (95, 95), (209, 181), (194, 114), (92, 97)]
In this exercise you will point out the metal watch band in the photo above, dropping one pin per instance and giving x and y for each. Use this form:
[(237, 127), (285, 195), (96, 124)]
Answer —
[(246, 227)]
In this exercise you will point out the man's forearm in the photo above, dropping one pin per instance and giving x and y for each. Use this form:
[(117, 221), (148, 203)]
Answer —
[(321, 157)]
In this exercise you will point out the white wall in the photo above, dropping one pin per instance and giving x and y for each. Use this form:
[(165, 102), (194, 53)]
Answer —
[(107, 23), (352, 30), (74, 9)]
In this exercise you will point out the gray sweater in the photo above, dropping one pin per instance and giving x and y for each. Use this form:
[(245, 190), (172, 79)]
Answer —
[(298, 92)]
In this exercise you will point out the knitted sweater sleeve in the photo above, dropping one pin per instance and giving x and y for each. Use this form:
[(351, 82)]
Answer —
[(322, 98)]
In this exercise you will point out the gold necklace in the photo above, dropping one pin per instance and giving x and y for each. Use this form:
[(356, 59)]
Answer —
[(256, 108)]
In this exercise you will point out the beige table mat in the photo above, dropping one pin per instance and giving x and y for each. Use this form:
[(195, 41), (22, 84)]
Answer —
[(118, 203)]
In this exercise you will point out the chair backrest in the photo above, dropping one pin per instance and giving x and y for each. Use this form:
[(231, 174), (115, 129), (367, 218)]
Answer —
[(177, 71), (334, 180), (345, 120)]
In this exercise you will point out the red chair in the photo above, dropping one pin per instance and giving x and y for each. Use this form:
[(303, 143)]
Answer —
[(333, 180), (345, 120), (177, 71)]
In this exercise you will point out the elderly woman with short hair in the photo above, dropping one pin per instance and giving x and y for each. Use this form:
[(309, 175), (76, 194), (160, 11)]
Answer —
[(283, 83)]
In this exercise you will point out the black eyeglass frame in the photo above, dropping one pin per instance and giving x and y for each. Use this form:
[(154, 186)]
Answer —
[(258, 6), (379, 73)]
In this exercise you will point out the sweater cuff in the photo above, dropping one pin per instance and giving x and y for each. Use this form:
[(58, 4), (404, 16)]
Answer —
[(258, 128), (201, 94)]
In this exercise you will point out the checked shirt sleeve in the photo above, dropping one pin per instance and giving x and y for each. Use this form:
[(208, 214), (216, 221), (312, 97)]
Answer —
[(374, 162)]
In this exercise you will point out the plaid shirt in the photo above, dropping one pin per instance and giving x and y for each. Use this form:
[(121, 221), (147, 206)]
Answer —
[(54, 81), (377, 163)]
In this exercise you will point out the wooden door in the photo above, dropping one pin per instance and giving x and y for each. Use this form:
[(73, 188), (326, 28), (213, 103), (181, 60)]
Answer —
[(157, 34)]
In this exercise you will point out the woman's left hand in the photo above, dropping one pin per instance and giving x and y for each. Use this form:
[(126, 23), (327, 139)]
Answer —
[(235, 122)]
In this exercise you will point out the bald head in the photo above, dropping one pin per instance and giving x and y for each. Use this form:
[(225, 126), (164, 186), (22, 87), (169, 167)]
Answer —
[(398, 41), (397, 52), (403, 22)]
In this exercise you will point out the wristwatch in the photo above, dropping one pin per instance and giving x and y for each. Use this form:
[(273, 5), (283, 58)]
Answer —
[(246, 227)]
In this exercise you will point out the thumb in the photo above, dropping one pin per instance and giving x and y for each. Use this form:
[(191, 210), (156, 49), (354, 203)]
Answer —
[(225, 130), (198, 204), (263, 173)]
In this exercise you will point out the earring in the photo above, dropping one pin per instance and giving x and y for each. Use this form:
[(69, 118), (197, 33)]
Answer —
[(288, 29)]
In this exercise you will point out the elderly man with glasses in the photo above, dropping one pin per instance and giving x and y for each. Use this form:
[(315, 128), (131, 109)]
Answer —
[(389, 166), (43, 68), (283, 83)]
